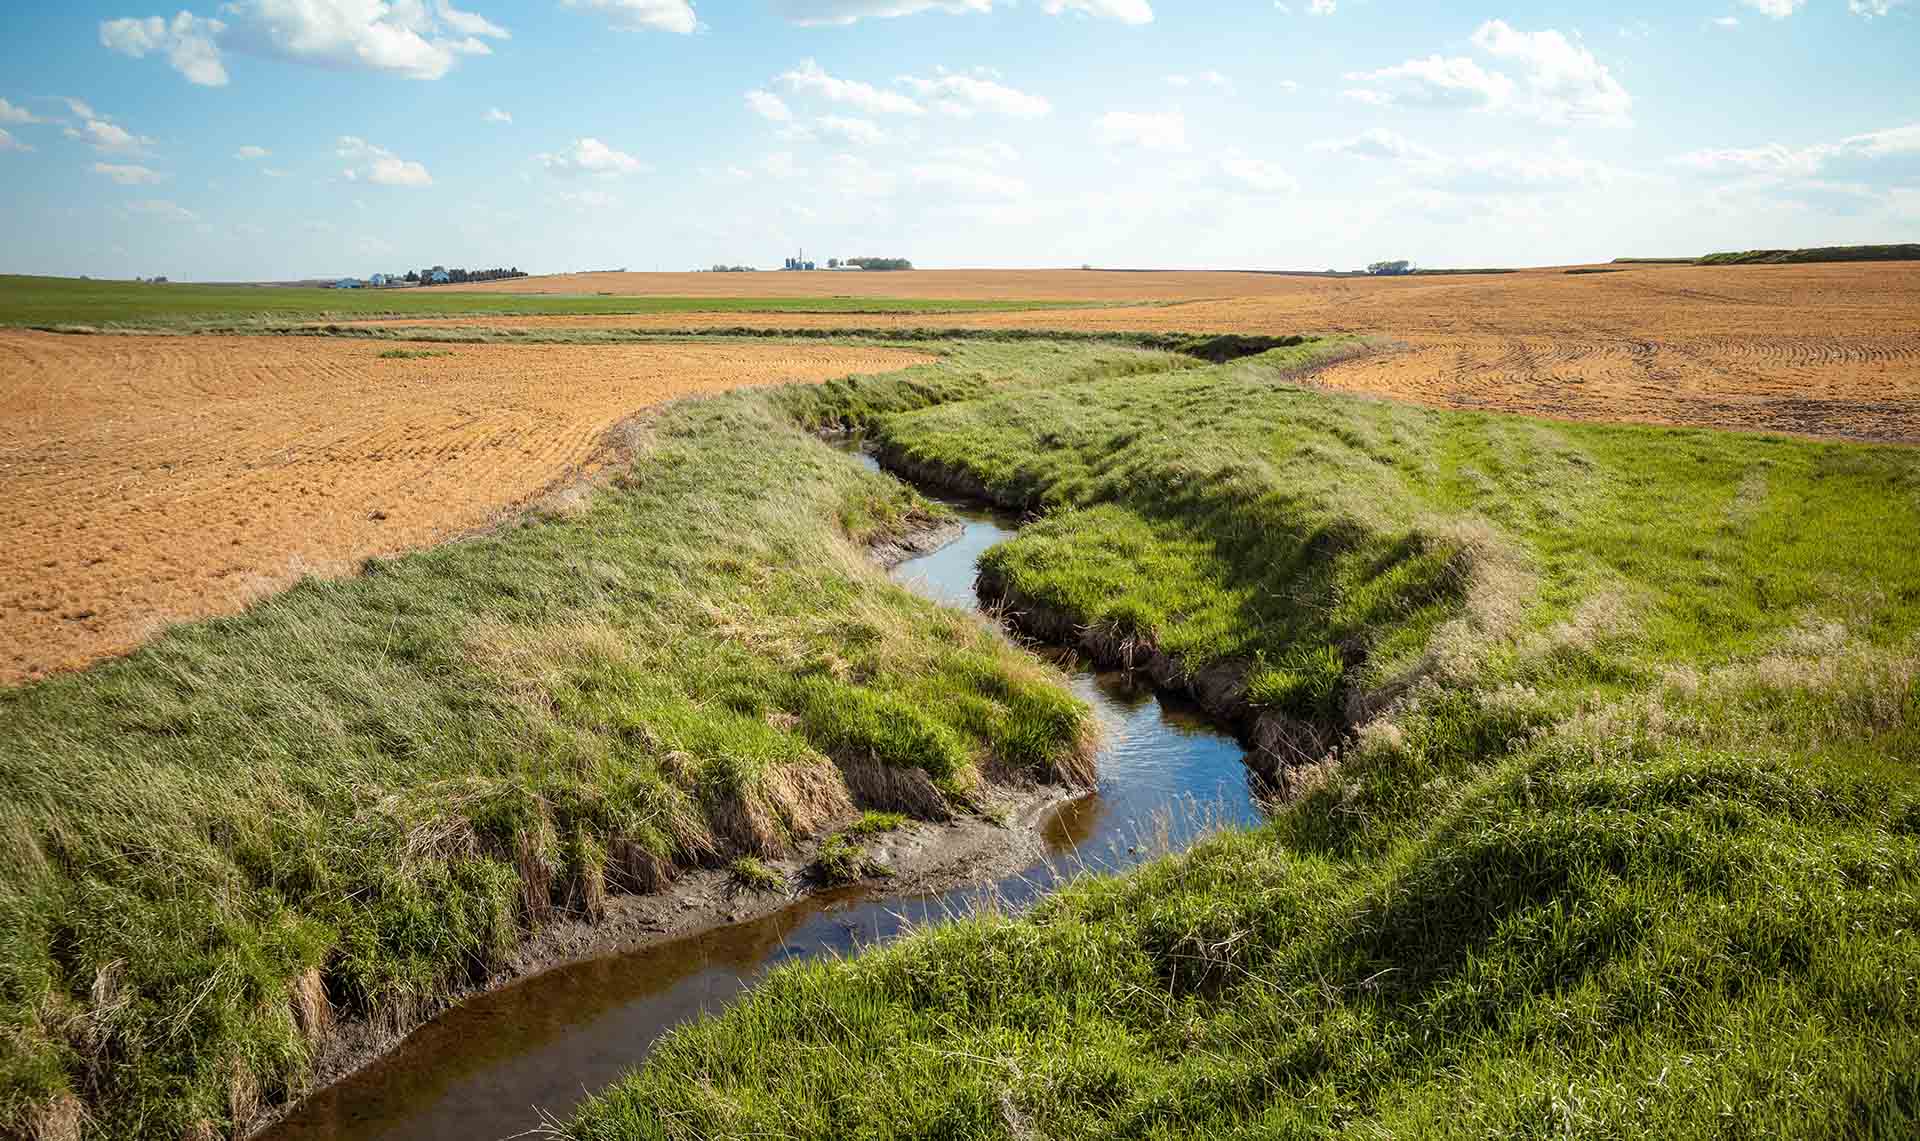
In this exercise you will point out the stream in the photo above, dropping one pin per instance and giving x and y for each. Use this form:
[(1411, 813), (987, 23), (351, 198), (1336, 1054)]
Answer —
[(491, 1066)]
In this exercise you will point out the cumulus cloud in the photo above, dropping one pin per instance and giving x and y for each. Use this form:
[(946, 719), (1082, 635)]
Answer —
[(9, 143), (1559, 81), (11, 114), (965, 95), (187, 41), (1435, 82), (769, 106), (644, 15), (1777, 9), (248, 153), (409, 38), (1148, 130), (811, 79), (496, 115), (851, 11), (102, 135), (378, 165), (128, 174), (589, 156), (1873, 8)]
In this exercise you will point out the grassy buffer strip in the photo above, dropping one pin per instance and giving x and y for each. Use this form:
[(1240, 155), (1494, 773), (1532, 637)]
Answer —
[(1625, 840)]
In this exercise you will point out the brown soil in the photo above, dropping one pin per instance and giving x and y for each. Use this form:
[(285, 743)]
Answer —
[(1828, 350), (147, 480)]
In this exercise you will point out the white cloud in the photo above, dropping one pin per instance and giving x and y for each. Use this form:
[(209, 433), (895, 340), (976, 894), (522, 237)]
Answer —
[(81, 108), (964, 95), (11, 114), (849, 11), (591, 156), (1777, 9), (1874, 156), (1379, 143), (104, 136), (769, 106), (644, 15), (1259, 175), (1125, 11), (1149, 130), (1564, 81), (496, 115), (250, 152), (811, 79), (1726, 21), (9, 143), (163, 209), (1872, 8), (410, 38), (1560, 82), (379, 165), (1436, 82), (128, 174), (187, 41), (860, 132)]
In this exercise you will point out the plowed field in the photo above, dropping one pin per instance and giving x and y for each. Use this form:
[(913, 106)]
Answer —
[(1828, 350), (145, 480)]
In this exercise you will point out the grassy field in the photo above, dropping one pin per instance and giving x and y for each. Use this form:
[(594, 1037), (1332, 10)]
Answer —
[(62, 300), (1907, 252), (361, 793), (1625, 840)]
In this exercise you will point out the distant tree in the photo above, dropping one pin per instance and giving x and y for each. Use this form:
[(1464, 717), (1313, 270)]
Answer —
[(1390, 268), (413, 275), (880, 263)]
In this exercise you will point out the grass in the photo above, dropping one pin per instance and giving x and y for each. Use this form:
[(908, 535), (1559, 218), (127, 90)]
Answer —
[(41, 301), (1907, 252), (1624, 841), (752, 874), (363, 793), (411, 354)]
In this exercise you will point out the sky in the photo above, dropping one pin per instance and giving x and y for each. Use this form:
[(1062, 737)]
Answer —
[(278, 139)]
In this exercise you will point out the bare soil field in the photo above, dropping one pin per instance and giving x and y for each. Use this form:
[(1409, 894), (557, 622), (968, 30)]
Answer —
[(147, 480), (1826, 350)]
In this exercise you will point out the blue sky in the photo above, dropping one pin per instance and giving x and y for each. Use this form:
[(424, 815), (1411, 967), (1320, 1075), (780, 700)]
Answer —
[(251, 139)]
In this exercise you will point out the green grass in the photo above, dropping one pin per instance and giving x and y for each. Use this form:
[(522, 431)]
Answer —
[(70, 301), (378, 785), (411, 354), (1625, 840), (752, 874), (1907, 252)]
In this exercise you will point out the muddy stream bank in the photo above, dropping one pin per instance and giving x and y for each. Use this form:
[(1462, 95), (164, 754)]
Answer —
[(493, 1065)]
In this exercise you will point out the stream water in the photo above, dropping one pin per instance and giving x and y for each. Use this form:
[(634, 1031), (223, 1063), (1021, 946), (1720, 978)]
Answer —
[(490, 1067)]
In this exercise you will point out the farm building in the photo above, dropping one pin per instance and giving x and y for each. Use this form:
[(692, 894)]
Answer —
[(347, 283)]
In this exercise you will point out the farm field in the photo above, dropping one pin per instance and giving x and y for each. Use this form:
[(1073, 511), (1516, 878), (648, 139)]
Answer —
[(1827, 350), (32, 301), (150, 480)]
